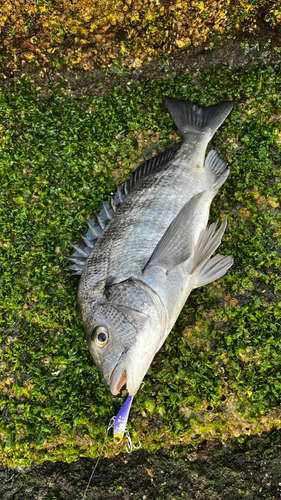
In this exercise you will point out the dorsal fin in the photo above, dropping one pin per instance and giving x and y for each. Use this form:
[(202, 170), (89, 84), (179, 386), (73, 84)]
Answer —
[(110, 207)]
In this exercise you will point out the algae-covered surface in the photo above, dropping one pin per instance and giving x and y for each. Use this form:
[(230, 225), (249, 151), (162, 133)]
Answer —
[(82, 34), (218, 374), (250, 470)]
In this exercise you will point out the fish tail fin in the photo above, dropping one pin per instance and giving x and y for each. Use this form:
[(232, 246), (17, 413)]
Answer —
[(190, 117)]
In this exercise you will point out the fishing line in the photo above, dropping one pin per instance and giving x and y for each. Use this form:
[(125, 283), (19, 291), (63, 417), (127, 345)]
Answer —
[(119, 425), (110, 425)]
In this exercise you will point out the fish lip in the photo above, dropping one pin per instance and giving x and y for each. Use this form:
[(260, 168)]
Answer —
[(117, 375)]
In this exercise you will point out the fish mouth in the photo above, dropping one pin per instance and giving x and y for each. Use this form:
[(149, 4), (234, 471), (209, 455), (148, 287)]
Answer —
[(117, 380), (118, 377), (122, 381)]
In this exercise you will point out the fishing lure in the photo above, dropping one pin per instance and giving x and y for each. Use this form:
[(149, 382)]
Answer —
[(121, 420), (119, 425)]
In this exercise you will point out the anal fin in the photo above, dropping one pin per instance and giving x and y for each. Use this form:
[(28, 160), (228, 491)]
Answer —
[(218, 167)]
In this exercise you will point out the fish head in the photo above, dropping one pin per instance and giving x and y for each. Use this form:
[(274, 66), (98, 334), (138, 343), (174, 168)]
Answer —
[(124, 333)]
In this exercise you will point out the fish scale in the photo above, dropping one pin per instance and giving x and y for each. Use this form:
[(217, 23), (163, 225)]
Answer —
[(96, 226), (150, 248), (140, 223)]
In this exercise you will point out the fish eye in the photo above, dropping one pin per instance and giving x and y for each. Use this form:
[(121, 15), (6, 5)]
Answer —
[(100, 336)]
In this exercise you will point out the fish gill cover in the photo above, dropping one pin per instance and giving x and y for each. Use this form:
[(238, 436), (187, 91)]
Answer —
[(218, 374)]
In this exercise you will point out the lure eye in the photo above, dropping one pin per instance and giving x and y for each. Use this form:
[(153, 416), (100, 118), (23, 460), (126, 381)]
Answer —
[(100, 336)]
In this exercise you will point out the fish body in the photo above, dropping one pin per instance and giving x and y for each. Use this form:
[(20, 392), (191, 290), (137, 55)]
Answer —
[(153, 251)]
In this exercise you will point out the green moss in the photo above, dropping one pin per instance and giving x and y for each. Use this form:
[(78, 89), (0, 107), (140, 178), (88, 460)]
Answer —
[(52, 35), (218, 374)]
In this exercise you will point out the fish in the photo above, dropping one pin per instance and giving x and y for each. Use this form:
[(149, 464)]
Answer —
[(149, 247)]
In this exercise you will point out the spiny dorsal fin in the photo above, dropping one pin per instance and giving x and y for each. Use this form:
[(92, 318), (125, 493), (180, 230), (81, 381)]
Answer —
[(96, 226), (147, 168)]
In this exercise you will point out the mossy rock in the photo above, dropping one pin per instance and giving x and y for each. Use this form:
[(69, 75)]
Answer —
[(89, 33), (218, 374)]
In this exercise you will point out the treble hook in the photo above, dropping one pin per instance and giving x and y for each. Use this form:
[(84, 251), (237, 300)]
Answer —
[(130, 446)]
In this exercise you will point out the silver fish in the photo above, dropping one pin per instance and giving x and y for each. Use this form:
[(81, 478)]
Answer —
[(138, 269)]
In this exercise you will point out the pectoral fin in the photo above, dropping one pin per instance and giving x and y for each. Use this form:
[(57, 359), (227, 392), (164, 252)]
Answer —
[(176, 245)]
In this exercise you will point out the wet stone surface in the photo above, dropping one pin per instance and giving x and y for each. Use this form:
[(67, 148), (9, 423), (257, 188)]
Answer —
[(247, 469), (250, 470)]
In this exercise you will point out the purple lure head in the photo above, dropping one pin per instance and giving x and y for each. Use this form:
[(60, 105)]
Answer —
[(121, 420)]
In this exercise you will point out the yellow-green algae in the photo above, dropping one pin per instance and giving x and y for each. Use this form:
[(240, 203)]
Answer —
[(218, 374), (85, 33)]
